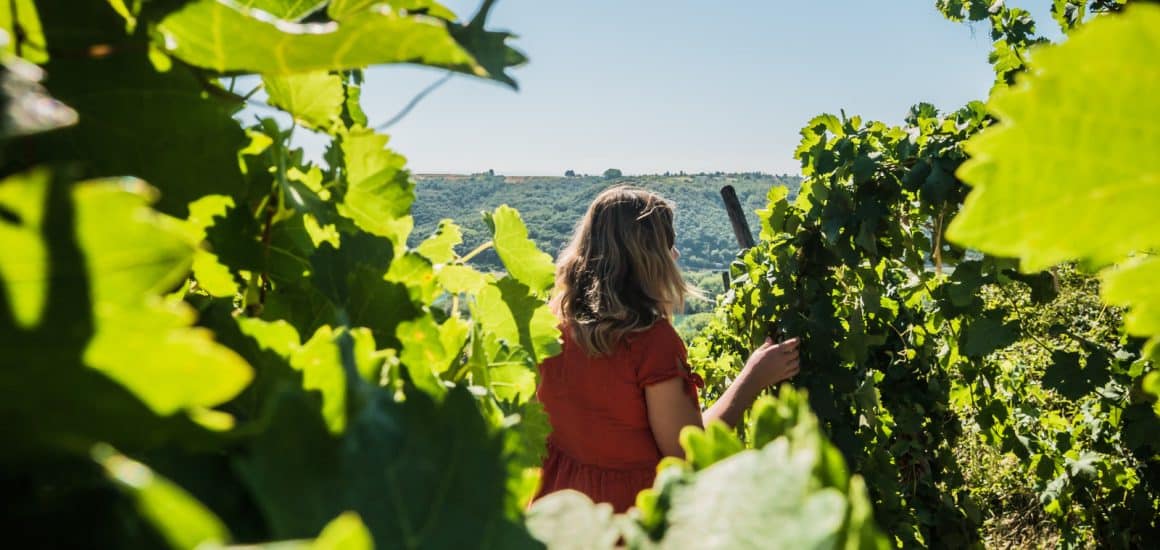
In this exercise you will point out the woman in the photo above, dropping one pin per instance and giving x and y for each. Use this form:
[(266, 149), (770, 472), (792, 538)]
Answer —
[(620, 392)]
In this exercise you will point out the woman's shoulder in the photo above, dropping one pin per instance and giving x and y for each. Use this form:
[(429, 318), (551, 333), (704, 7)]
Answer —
[(661, 331)]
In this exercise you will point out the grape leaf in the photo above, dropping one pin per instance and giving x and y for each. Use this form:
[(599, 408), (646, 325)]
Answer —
[(431, 346), (108, 360), (379, 190), (226, 37), (440, 247), (1134, 284), (314, 99), (1151, 385), (147, 345), (23, 198), (29, 41), (526, 263), (345, 532), (181, 519), (1070, 171), (776, 482), (162, 127), (987, 334), (421, 473), (507, 309), (212, 276), (570, 520)]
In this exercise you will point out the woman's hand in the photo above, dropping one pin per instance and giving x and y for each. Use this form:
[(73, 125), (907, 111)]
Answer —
[(769, 364), (772, 363)]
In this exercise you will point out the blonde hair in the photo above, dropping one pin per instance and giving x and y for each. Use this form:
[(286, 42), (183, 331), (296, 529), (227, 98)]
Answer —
[(618, 274)]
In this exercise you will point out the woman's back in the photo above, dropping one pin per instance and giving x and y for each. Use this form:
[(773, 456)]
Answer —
[(601, 443)]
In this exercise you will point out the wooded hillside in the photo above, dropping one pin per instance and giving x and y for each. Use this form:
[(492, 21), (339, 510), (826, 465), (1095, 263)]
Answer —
[(551, 207)]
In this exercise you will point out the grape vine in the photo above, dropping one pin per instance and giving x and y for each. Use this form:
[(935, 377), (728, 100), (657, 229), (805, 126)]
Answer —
[(908, 338)]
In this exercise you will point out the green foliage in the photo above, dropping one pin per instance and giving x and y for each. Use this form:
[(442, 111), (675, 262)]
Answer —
[(1111, 214), (790, 491), (1058, 413), (181, 519), (281, 340), (245, 327), (904, 332), (837, 268), (1093, 461), (198, 34)]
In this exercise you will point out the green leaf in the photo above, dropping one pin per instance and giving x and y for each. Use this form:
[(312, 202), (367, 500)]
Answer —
[(276, 336), (144, 344), (1081, 180), (25, 259), (379, 189), (509, 311), (462, 279), (788, 415), (489, 47), (1065, 375), (766, 498), (706, 447), (421, 473), (314, 99), (212, 276), (180, 519), (526, 263), (319, 361), (345, 532), (108, 359), (430, 349), (987, 334), (440, 247), (773, 216), (569, 519), (166, 128), (1132, 284), (321, 366), (1151, 385), (532, 432), (29, 41), (224, 36)]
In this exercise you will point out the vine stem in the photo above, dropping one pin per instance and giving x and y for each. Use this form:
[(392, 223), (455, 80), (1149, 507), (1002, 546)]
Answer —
[(477, 251)]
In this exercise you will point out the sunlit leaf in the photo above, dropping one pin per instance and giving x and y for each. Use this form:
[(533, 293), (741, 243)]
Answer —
[(224, 36), (178, 517), (1070, 171), (314, 99), (523, 260), (440, 247), (379, 189)]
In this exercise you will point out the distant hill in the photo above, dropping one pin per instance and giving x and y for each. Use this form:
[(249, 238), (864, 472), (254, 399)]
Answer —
[(551, 206)]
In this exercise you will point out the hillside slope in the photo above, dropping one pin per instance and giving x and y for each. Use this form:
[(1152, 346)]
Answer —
[(551, 206)]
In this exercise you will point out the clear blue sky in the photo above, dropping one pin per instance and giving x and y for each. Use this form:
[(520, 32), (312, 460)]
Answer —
[(649, 86)]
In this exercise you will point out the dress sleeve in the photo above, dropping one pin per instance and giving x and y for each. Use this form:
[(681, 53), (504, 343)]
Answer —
[(663, 356)]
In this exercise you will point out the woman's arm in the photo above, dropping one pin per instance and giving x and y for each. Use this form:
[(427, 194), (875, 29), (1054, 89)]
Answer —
[(770, 364), (670, 408)]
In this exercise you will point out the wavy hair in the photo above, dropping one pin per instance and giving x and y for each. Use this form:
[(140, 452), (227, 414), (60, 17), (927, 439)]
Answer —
[(618, 274)]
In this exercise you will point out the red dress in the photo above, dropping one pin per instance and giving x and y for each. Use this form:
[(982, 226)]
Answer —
[(601, 443)]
